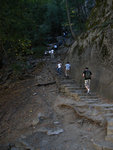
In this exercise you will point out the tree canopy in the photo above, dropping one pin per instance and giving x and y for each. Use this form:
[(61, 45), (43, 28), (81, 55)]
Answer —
[(25, 25)]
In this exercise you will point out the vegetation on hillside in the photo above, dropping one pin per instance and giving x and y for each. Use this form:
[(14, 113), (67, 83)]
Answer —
[(26, 26)]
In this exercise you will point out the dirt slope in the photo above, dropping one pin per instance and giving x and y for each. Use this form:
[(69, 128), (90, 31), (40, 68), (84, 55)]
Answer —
[(31, 118)]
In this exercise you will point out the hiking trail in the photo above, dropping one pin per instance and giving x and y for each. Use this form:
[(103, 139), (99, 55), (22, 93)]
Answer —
[(50, 112)]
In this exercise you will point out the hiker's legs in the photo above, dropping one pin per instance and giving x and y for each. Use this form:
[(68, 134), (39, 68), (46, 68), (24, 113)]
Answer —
[(87, 85), (59, 71), (67, 73), (52, 56)]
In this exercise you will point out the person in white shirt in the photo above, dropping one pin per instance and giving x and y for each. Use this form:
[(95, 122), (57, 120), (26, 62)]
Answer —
[(67, 69), (52, 53), (59, 66)]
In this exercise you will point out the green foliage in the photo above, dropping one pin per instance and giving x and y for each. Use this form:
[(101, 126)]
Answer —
[(39, 51), (54, 17), (17, 69), (104, 52), (79, 11), (80, 50), (25, 26)]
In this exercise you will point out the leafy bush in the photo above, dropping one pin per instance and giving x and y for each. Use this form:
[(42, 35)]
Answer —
[(39, 51)]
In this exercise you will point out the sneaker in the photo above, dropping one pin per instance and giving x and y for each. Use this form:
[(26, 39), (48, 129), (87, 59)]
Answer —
[(67, 77), (89, 93)]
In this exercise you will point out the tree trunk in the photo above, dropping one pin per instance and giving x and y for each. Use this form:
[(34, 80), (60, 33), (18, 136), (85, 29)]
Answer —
[(2, 48), (69, 20)]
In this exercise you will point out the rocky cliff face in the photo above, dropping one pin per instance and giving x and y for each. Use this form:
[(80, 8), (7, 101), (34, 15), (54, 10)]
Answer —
[(94, 49)]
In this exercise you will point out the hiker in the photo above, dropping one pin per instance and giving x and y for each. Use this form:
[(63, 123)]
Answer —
[(67, 69), (45, 53), (87, 77), (52, 53), (59, 66), (64, 34), (55, 46), (64, 37)]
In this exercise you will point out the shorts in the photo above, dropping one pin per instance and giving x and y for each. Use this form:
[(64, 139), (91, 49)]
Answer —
[(87, 83)]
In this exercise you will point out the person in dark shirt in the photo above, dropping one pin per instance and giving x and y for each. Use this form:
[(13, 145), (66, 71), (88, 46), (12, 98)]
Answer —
[(87, 79)]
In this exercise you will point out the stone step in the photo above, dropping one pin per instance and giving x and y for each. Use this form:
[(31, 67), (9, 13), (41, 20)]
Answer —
[(71, 88), (108, 110), (92, 94), (89, 97), (108, 116), (71, 84), (109, 130), (91, 101), (74, 87), (110, 122), (109, 138), (103, 105), (79, 92), (103, 145), (68, 85), (67, 81), (4, 147), (77, 89), (75, 95)]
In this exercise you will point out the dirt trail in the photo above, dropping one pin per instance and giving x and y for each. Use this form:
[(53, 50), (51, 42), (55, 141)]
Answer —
[(30, 118)]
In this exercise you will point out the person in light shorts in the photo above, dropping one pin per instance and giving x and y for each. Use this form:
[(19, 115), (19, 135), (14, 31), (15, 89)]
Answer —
[(67, 69), (87, 79), (52, 53)]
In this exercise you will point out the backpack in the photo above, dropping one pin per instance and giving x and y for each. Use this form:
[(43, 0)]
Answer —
[(88, 74)]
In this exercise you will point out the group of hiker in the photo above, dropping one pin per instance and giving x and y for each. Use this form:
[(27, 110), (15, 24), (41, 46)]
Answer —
[(67, 69), (86, 74), (51, 51), (54, 47)]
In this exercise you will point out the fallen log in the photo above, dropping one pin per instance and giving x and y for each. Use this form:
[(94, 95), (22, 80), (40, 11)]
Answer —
[(46, 84)]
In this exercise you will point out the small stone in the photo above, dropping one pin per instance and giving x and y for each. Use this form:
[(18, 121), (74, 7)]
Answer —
[(34, 94), (56, 122), (50, 132), (23, 136), (35, 122)]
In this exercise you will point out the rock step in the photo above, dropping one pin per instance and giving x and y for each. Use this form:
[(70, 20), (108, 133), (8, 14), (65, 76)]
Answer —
[(108, 110), (67, 81), (96, 110), (108, 116), (89, 97), (102, 106), (109, 138), (109, 130), (79, 92), (103, 145), (91, 101), (110, 122), (74, 87)]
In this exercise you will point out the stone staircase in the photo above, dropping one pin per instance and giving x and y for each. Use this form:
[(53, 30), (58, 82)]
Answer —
[(92, 107)]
